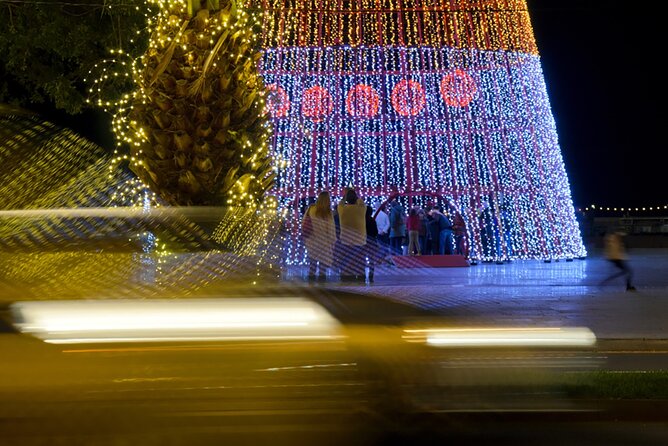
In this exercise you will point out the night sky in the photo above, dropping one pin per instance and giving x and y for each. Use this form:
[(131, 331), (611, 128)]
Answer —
[(600, 59)]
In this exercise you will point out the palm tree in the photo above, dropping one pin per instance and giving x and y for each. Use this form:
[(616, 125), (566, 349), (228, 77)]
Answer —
[(201, 134)]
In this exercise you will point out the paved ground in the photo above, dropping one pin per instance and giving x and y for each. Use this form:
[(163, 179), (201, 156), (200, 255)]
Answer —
[(536, 293), (519, 293)]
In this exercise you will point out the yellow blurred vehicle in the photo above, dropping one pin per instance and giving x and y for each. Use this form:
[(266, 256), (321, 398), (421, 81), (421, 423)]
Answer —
[(293, 368)]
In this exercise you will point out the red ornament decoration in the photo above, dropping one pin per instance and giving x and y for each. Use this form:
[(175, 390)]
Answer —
[(408, 98), (362, 101), (277, 101), (458, 88), (317, 103)]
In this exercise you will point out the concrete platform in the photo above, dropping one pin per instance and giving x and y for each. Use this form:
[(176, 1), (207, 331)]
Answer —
[(439, 261), (534, 293)]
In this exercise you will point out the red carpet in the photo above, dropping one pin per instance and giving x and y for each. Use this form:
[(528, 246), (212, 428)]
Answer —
[(445, 261)]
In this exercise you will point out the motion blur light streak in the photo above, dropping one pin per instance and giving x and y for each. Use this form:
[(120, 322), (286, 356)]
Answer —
[(183, 339), (319, 344), (68, 322), (101, 212), (75, 223), (501, 337)]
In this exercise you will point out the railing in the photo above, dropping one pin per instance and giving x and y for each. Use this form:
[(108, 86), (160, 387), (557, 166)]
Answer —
[(631, 225)]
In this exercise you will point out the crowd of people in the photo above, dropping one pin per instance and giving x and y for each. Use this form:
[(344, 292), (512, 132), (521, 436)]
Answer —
[(351, 236)]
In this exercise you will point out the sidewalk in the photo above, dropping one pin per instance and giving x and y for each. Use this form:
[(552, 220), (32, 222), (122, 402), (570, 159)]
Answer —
[(536, 293)]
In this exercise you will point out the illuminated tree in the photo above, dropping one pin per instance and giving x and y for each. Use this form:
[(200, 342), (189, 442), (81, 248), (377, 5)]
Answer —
[(195, 123), (432, 98)]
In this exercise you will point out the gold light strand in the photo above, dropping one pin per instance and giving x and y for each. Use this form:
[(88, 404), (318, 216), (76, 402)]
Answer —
[(165, 20), (480, 24)]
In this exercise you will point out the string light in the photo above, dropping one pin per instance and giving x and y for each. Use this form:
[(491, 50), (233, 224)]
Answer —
[(317, 103), (362, 101), (458, 88), (277, 102), (133, 193), (498, 25), (408, 98), (186, 116), (635, 209), (446, 99)]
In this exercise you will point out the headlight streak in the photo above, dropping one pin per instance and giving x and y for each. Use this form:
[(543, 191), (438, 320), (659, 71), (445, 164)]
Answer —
[(502, 337), (224, 319)]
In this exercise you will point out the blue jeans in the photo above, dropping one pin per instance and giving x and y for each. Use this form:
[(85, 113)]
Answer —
[(445, 241), (395, 243)]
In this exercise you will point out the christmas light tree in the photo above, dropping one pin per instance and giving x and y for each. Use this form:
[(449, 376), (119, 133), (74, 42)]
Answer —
[(438, 98)]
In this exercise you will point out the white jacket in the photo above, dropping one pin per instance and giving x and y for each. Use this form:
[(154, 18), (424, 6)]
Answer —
[(383, 222)]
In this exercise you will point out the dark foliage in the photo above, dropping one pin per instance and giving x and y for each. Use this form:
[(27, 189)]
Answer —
[(48, 48)]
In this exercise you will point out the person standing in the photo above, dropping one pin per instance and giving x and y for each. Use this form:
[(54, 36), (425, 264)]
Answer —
[(615, 252), (352, 219), (459, 229), (337, 245), (504, 221), (373, 252), (383, 225), (423, 231), (320, 242), (397, 226), (413, 227), (444, 231), (432, 233), (488, 233)]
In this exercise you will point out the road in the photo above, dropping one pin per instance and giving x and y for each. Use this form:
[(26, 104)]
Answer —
[(289, 394)]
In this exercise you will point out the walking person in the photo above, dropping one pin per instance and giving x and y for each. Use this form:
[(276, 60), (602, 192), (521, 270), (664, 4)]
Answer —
[(352, 219), (321, 238), (615, 252), (397, 226), (413, 227)]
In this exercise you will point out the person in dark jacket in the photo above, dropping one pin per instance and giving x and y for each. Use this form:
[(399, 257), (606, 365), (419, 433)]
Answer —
[(433, 233), (459, 228), (397, 226), (423, 231), (336, 263), (445, 239), (488, 233), (372, 249)]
